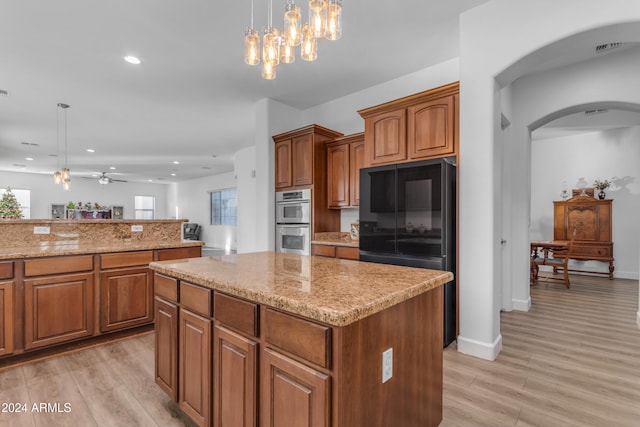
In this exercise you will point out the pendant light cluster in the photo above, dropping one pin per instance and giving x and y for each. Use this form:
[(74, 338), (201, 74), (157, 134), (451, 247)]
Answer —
[(63, 177), (324, 20)]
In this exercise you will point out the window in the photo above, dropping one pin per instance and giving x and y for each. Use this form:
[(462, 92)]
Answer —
[(23, 197), (224, 207), (145, 207)]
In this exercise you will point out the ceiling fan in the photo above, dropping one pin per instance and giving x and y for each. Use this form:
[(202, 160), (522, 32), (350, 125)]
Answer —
[(104, 179)]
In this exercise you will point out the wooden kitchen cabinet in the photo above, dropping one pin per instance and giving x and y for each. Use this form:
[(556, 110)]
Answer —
[(300, 157), (58, 309), (345, 157), (6, 317), (293, 394), (335, 251), (126, 293), (419, 126), (235, 379), (194, 376), (166, 345)]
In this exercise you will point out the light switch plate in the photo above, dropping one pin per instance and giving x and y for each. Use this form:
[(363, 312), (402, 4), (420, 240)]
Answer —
[(136, 228), (41, 230), (387, 365)]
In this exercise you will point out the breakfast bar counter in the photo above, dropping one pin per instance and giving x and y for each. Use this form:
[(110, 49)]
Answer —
[(299, 340)]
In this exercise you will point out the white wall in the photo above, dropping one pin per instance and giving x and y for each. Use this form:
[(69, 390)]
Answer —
[(248, 212), (194, 204), (596, 155), (493, 37), (44, 193)]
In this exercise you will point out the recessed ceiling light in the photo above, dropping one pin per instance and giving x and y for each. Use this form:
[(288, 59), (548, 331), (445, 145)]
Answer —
[(28, 158), (90, 150), (112, 168), (132, 60), (173, 174), (150, 180), (175, 162)]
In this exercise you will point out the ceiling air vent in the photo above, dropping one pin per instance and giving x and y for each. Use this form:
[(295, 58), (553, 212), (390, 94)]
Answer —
[(608, 46), (4, 92)]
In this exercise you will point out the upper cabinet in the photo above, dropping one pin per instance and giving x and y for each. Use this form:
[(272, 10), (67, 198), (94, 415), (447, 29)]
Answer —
[(345, 157), (300, 156), (420, 126)]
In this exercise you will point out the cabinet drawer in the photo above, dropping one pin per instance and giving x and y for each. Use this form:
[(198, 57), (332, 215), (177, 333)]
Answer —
[(595, 251), (347, 252), (297, 336), (125, 259), (195, 298), (324, 250), (166, 287), (6, 270), (57, 265), (179, 253), (236, 313)]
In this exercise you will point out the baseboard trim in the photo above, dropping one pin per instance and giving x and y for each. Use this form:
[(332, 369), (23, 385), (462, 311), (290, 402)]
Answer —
[(482, 350), (521, 305)]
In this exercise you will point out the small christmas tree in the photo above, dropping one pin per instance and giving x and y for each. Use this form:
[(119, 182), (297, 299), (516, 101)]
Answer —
[(9, 206)]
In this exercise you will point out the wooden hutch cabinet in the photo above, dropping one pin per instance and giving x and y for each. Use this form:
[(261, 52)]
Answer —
[(586, 221), (345, 157), (420, 126)]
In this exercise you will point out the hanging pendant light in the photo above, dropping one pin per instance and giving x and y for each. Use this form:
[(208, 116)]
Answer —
[(287, 53), (318, 17), (292, 23), (309, 44), (268, 71), (334, 20), (66, 174), (251, 43)]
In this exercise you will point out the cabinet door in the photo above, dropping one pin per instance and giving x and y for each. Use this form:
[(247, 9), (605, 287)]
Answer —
[(302, 149), (166, 329), (431, 128), (356, 162), (338, 175), (292, 394), (283, 159), (57, 309), (386, 137), (234, 378), (6, 318), (194, 374), (126, 298)]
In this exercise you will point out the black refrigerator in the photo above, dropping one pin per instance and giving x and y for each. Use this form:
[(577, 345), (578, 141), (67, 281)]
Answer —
[(408, 217)]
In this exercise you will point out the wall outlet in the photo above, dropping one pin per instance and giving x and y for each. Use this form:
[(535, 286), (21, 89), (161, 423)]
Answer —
[(136, 228), (387, 365), (41, 230)]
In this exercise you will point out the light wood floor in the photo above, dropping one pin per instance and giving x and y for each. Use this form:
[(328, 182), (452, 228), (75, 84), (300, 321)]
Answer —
[(573, 360)]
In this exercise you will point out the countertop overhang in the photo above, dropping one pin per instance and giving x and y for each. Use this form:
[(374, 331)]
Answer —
[(47, 249), (329, 290)]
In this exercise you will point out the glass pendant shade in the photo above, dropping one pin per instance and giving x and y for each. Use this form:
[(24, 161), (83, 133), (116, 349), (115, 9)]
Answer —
[(57, 177), (251, 47), (309, 48), (287, 54), (268, 71), (65, 175), (271, 47), (65, 184), (318, 17), (292, 19), (334, 20)]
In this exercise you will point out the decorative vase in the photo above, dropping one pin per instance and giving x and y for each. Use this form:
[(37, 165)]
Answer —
[(601, 195)]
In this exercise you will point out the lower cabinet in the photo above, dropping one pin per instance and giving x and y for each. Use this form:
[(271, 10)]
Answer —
[(126, 298), (166, 325), (334, 251), (58, 309), (234, 379), (194, 396), (6, 317), (293, 394)]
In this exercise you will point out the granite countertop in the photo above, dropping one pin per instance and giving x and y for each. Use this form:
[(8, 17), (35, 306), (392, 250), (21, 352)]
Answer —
[(66, 247), (335, 239), (330, 290)]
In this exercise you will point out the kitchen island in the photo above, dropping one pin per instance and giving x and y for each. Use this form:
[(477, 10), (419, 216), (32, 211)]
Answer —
[(299, 341)]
